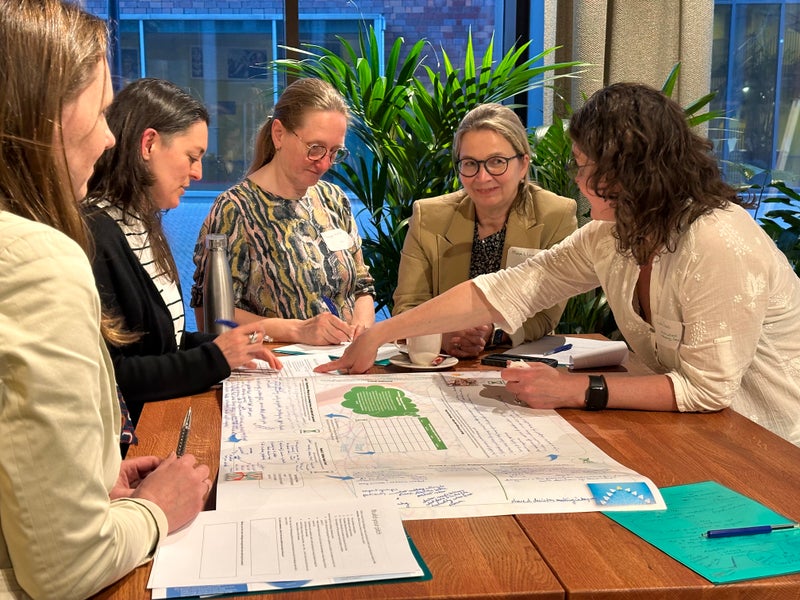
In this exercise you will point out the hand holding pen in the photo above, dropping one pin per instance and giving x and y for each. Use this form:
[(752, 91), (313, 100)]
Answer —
[(323, 329)]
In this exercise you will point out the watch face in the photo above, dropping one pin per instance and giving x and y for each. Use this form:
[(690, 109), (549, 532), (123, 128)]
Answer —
[(596, 393), (497, 338)]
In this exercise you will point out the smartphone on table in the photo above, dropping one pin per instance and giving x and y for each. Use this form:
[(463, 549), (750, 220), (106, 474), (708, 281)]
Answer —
[(501, 360)]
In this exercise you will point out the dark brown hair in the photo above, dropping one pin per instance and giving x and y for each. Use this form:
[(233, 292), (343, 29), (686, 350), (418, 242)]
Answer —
[(657, 173), (122, 176)]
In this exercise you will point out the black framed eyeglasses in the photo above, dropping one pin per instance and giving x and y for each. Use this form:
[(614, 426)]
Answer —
[(494, 165), (573, 168), (318, 152)]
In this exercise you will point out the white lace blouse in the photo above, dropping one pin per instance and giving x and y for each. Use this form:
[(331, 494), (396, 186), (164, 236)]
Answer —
[(725, 311)]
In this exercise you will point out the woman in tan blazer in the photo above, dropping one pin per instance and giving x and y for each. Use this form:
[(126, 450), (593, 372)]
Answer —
[(497, 220)]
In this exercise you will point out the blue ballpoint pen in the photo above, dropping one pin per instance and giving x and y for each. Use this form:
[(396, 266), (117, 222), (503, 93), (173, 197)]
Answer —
[(558, 349), (227, 323), (756, 529), (331, 306)]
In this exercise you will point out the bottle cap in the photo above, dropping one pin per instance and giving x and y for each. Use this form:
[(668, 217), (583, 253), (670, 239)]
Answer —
[(216, 240)]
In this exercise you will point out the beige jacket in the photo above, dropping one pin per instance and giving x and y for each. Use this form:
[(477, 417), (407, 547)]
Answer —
[(438, 248), (59, 427)]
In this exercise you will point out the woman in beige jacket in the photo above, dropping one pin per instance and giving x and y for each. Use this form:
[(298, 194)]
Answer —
[(498, 219)]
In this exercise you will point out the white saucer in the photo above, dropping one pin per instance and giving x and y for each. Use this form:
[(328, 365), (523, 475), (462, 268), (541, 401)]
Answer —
[(401, 360)]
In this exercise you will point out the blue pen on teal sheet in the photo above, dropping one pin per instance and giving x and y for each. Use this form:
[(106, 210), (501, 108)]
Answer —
[(558, 349), (331, 306), (227, 323), (754, 530)]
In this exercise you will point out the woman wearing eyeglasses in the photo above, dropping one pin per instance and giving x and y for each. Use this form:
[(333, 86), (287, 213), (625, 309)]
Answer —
[(293, 243), (699, 291), (499, 219)]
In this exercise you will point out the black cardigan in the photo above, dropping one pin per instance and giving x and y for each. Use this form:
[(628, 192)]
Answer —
[(153, 368)]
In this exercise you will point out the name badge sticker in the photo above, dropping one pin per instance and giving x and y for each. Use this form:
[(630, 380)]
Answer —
[(669, 334), (337, 239), (518, 255)]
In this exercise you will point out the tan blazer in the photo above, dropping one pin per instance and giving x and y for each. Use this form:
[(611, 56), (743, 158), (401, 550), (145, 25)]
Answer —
[(438, 248)]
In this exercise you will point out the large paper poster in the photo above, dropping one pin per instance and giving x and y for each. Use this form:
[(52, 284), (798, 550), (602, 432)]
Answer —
[(438, 445)]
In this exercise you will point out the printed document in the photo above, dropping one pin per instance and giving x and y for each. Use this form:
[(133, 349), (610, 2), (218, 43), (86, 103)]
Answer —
[(282, 547)]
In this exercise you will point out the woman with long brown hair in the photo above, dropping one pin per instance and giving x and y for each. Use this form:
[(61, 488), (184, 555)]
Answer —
[(75, 518), (162, 134)]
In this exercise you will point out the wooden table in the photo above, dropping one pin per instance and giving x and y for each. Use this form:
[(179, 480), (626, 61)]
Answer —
[(574, 555)]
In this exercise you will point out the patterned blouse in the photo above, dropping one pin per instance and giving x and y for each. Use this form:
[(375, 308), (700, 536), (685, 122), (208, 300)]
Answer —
[(287, 255), (487, 253)]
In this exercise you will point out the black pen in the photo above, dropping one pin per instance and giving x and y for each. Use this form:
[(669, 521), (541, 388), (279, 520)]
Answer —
[(187, 426), (754, 530)]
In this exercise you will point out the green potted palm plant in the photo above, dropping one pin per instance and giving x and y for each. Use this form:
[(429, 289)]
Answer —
[(405, 114)]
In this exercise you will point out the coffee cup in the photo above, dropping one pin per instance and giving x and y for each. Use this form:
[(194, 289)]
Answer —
[(423, 349)]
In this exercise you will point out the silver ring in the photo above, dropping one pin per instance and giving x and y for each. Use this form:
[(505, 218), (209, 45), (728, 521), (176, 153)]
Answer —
[(253, 337)]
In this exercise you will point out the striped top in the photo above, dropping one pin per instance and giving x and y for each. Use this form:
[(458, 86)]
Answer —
[(286, 256), (139, 241)]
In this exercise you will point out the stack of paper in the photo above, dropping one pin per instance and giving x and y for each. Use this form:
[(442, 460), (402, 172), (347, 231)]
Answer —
[(335, 351), (283, 547), (581, 353)]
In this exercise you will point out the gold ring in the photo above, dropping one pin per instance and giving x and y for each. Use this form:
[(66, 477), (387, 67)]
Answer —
[(254, 337)]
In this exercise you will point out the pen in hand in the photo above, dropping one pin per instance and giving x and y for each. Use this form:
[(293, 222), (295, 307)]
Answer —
[(227, 323), (740, 531), (331, 306), (558, 349), (183, 438)]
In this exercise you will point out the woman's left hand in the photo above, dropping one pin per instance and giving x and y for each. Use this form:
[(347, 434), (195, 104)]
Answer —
[(541, 386), (131, 473), (467, 343)]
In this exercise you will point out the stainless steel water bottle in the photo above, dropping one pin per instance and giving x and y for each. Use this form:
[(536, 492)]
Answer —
[(217, 285)]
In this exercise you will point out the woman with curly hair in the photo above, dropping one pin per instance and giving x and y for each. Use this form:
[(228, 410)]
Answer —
[(699, 291)]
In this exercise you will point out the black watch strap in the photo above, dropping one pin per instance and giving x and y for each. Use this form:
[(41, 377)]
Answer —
[(596, 393)]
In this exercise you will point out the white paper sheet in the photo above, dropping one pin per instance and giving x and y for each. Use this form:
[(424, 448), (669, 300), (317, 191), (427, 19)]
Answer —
[(299, 365), (584, 354), (285, 546)]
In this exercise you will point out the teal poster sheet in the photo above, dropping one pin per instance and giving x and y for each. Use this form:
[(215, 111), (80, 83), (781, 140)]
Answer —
[(696, 508)]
